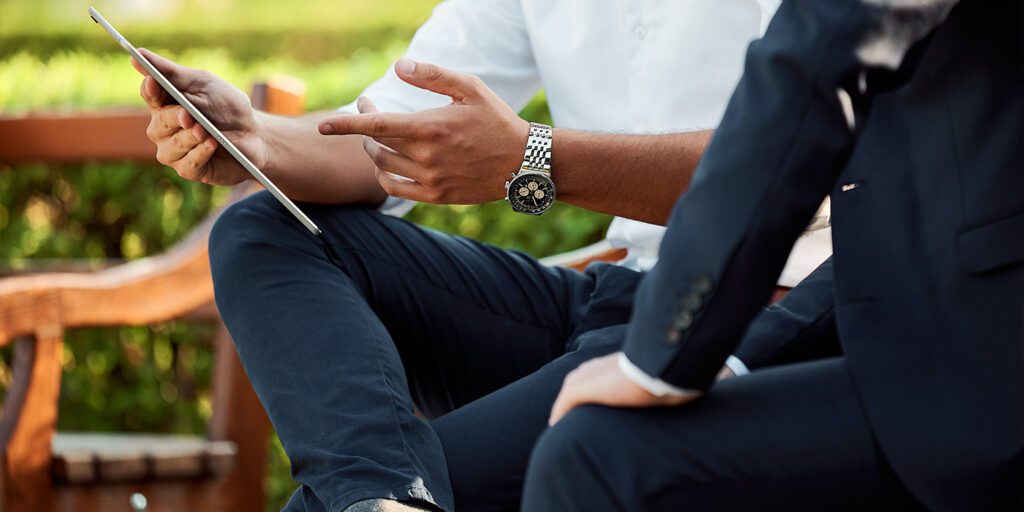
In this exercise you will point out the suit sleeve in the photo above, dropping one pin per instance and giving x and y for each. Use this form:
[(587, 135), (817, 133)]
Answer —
[(786, 135)]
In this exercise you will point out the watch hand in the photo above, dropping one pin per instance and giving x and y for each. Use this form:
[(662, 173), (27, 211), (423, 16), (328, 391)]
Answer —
[(534, 200)]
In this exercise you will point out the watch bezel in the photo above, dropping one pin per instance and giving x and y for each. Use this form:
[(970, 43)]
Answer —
[(524, 172)]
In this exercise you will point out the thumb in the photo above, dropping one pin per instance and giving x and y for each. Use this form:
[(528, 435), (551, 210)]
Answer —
[(177, 74), (437, 79)]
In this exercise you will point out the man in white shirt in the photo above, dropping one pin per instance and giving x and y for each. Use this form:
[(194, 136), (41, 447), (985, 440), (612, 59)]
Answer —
[(343, 336)]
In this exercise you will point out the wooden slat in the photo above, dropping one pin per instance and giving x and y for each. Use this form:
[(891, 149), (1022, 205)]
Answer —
[(90, 458), (76, 138)]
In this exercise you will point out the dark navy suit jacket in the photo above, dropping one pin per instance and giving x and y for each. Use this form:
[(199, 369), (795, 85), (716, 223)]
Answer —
[(910, 114)]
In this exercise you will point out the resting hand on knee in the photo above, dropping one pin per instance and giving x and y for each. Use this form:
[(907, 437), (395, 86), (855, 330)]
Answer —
[(600, 381)]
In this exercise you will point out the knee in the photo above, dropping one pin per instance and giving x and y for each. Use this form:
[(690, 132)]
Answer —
[(568, 444), (243, 238), (254, 218), (566, 467)]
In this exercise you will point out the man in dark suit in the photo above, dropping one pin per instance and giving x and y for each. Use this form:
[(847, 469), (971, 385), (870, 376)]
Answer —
[(910, 114)]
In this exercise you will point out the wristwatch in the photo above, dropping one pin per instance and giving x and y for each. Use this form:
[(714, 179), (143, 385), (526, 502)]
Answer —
[(531, 190)]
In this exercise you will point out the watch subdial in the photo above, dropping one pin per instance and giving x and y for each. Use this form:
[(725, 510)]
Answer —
[(531, 192)]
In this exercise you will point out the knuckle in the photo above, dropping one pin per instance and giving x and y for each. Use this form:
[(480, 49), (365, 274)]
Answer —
[(192, 163), (436, 196), (151, 131), (476, 83), (438, 131), (377, 126), (428, 158), (184, 172), (434, 73), (430, 179), (178, 141)]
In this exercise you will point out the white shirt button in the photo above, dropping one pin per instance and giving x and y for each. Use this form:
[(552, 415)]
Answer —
[(640, 31)]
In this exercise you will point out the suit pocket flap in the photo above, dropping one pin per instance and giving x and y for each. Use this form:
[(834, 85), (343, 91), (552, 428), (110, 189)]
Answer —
[(992, 245)]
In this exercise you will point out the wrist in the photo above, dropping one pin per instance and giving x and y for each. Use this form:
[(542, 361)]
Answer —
[(514, 153), (263, 136), (530, 189)]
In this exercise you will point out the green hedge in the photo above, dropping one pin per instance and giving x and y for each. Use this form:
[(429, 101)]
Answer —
[(157, 379)]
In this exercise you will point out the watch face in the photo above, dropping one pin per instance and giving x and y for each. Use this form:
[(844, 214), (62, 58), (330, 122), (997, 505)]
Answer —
[(531, 192)]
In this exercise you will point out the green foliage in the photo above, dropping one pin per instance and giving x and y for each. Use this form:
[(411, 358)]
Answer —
[(157, 379), (313, 30)]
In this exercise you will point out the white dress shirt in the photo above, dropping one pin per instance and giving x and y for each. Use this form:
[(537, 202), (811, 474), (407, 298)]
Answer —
[(625, 66)]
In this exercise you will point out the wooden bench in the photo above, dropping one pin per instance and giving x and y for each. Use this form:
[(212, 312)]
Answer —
[(43, 470), (67, 471)]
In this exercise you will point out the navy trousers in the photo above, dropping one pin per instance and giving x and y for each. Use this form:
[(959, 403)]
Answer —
[(793, 437), (344, 338)]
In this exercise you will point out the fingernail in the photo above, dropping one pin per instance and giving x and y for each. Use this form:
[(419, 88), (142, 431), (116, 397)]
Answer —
[(326, 129), (405, 66)]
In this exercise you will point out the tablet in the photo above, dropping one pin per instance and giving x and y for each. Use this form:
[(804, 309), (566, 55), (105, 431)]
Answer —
[(205, 123)]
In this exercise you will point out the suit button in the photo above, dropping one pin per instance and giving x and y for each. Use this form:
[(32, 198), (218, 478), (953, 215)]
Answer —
[(692, 302), (683, 321), (702, 284), (673, 337)]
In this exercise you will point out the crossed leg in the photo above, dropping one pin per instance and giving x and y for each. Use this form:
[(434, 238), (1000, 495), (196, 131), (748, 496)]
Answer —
[(345, 338)]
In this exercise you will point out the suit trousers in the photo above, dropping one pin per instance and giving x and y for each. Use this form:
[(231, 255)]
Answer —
[(792, 437), (346, 338)]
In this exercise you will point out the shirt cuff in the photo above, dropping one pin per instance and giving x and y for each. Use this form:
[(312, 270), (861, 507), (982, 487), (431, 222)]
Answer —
[(396, 206), (656, 387), (737, 366)]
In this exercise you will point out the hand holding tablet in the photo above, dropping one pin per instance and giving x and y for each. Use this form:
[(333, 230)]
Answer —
[(190, 144)]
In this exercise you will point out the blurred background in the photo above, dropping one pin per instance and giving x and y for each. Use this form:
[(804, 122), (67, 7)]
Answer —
[(54, 59)]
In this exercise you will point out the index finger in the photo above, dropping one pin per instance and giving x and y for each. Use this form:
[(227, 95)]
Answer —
[(374, 124)]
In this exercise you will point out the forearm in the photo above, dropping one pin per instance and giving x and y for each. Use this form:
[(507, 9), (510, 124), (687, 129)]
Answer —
[(312, 167), (635, 176)]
